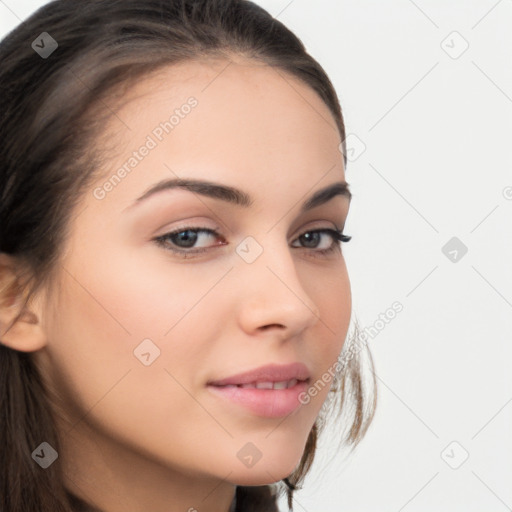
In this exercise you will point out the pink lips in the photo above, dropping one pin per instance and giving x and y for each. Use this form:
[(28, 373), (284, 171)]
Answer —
[(267, 373), (255, 391)]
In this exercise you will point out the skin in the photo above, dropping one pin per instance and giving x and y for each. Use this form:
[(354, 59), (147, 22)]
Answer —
[(136, 437)]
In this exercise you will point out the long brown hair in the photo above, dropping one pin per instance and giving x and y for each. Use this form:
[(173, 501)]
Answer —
[(51, 110)]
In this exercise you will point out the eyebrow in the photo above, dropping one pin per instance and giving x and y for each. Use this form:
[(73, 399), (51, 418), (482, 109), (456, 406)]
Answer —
[(238, 197)]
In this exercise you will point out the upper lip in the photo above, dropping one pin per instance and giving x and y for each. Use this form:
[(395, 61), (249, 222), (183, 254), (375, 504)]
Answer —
[(267, 373)]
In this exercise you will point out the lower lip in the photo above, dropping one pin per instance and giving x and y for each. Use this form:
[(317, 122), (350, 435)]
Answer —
[(270, 403)]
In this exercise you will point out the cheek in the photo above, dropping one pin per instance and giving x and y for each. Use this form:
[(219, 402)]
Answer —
[(125, 316), (94, 334), (178, 309), (332, 295)]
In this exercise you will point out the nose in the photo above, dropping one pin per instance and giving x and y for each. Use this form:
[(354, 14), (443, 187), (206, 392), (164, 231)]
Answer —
[(272, 297)]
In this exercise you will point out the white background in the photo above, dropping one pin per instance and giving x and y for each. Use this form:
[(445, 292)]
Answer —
[(436, 129)]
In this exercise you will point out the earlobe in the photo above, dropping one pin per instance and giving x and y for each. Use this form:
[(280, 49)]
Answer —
[(25, 333)]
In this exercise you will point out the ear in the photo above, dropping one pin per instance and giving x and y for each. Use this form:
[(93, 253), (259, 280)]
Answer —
[(26, 334)]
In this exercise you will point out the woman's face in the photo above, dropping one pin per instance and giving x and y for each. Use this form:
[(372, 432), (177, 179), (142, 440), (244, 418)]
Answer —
[(138, 331)]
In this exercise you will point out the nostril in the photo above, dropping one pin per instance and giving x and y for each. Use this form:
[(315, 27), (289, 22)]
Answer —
[(265, 327)]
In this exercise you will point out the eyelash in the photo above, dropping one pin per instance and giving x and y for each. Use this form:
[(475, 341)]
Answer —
[(162, 240)]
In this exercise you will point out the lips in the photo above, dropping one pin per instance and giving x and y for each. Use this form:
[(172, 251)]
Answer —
[(270, 391), (268, 403), (272, 376)]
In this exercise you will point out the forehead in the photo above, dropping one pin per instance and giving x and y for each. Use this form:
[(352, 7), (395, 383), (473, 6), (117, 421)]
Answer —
[(251, 125), (243, 98)]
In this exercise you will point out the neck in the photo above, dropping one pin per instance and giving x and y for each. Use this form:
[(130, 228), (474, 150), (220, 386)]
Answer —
[(113, 478)]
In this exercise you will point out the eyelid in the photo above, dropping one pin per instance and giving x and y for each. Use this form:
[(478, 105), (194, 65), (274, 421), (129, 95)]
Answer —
[(200, 225), (188, 224)]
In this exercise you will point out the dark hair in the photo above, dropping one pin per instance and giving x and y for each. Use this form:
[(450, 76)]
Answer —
[(51, 111)]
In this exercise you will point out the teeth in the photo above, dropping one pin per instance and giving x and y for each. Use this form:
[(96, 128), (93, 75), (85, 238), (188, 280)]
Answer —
[(284, 384), (264, 385), (292, 383)]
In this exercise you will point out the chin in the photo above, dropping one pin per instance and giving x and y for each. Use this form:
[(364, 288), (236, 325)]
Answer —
[(257, 479), (266, 471)]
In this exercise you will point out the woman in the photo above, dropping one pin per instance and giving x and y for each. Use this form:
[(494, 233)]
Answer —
[(174, 299)]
